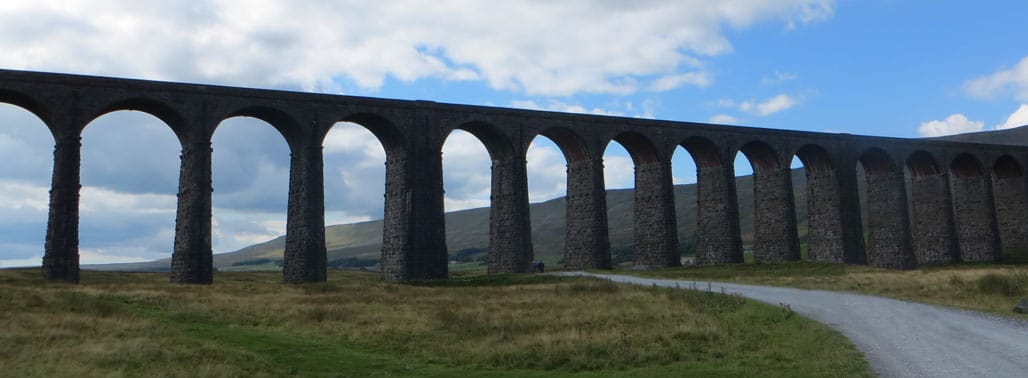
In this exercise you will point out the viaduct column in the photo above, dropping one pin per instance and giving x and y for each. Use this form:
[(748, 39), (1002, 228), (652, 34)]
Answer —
[(888, 222), (587, 244), (774, 221), (61, 256), (934, 232), (824, 221), (305, 254), (850, 223), (510, 234), (1011, 198), (975, 216), (717, 213), (191, 261), (414, 228), (656, 239)]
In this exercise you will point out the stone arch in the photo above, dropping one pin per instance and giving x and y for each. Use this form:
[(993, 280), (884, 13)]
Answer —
[(655, 240), (1011, 198), (824, 217), (888, 222), (703, 151), (570, 143), (1007, 167), (932, 227), (717, 216), (167, 114), (966, 165), (761, 156), (28, 103), (286, 124), (774, 215), (815, 159), (973, 210), (495, 141), (388, 134), (639, 147)]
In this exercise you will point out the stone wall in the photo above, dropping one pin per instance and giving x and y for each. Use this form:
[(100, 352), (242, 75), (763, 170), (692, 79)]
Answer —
[(1012, 213), (587, 244), (656, 238), (717, 234), (774, 220), (824, 227), (933, 238), (975, 219), (888, 240)]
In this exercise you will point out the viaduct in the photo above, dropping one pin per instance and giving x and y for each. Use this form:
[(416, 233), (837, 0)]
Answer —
[(930, 201)]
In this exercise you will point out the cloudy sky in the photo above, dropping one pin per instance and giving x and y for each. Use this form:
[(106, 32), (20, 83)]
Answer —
[(879, 67)]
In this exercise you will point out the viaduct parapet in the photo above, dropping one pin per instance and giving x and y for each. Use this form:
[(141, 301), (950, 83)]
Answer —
[(929, 201)]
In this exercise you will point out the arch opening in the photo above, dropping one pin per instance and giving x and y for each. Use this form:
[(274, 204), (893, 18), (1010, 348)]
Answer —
[(966, 165), (467, 188), (161, 111), (250, 173), (684, 177), (355, 175), (25, 186), (549, 163), (129, 177), (1007, 167)]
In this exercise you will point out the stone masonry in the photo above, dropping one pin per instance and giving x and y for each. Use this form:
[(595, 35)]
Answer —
[(986, 184)]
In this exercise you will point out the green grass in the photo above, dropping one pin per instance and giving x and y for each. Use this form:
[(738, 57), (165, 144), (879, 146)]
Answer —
[(248, 324)]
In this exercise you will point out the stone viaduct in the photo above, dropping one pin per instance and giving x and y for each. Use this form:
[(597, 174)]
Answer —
[(930, 201)]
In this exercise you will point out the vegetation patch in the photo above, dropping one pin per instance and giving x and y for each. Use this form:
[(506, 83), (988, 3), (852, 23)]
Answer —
[(249, 324), (992, 288)]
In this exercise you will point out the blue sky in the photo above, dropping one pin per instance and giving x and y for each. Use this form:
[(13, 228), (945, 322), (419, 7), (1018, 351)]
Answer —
[(876, 67)]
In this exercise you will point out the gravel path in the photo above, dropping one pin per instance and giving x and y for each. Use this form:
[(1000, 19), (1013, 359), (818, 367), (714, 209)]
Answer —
[(899, 339)]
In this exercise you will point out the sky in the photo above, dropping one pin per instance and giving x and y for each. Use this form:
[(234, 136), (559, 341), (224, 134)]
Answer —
[(892, 68)]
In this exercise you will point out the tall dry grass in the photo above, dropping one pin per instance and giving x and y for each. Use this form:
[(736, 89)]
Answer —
[(993, 288), (248, 324)]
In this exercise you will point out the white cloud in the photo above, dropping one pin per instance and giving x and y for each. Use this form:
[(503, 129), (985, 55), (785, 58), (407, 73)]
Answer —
[(561, 106), (778, 78), (954, 124), (604, 47), (723, 119), (1007, 81), (669, 82), (767, 107), (1017, 119)]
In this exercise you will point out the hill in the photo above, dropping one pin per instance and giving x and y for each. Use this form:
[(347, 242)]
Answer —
[(359, 244)]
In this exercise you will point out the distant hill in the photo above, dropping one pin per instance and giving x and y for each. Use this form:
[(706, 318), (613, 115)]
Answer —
[(360, 244)]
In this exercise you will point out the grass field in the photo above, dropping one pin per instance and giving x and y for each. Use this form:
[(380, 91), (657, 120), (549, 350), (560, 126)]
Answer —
[(993, 288), (248, 324)]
